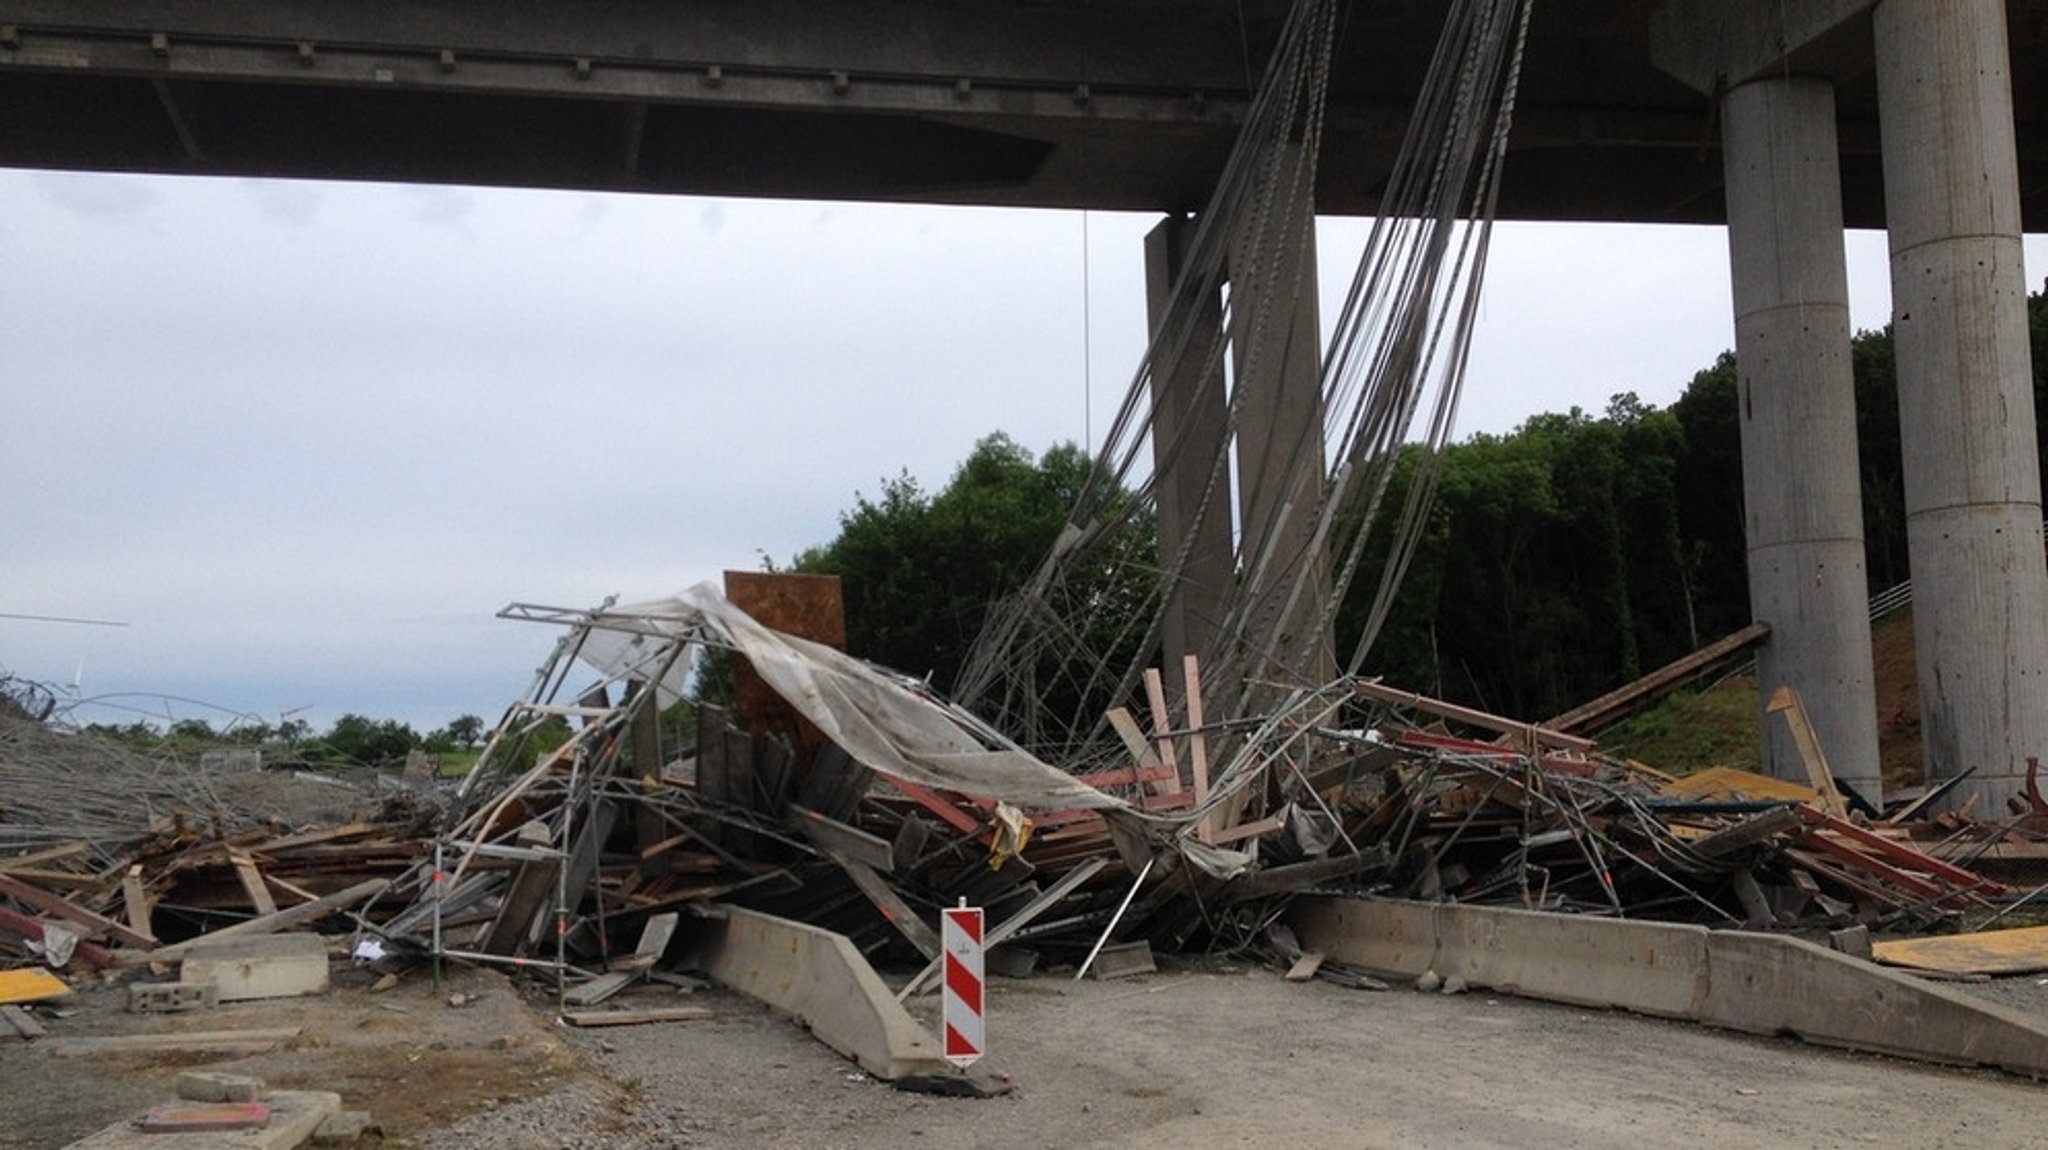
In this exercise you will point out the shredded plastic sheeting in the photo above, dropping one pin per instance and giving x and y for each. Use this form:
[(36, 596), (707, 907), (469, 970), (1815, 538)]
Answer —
[(876, 717)]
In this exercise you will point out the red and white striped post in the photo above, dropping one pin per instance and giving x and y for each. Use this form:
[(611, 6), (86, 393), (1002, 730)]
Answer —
[(961, 1003)]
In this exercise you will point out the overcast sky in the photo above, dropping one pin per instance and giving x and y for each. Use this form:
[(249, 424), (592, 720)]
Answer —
[(306, 439)]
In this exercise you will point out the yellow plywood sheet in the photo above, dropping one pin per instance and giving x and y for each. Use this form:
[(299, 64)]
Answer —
[(1730, 785), (2017, 951), (30, 986)]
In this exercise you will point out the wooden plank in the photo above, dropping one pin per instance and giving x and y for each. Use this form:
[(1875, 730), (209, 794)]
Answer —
[(774, 775), (1898, 852), (601, 816), (655, 934), (1250, 830), (644, 737), (1295, 876), (2020, 950), (1198, 747), (1456, 713), (1728, 784), (83, 883), (1785, 701), (1756, 828), (252, 884), (897, 912), (1988, 852), (1124, 777), (533, 888), (135, 901), (291, 888), (71, 912), (1162, 722), (31, 985), (1305, 967), (600, 988), (712, 773), (251, 1041), (588, 1018), (947, 812), (28, 928), (833, 836), (656, 850), (834, 784), (1619, 702), (268, 924), (1127, 729), (14, 864)]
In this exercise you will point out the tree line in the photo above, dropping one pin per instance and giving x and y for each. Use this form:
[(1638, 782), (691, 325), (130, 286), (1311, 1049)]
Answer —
[(352, 740), (1557, 562)]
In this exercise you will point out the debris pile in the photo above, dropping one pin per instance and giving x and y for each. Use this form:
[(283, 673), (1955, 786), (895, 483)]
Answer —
[(847, 797), (1559, 827), (105, 848), (869, 805)]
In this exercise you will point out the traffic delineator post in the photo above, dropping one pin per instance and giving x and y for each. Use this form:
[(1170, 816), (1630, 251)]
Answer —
[(961, 1008)]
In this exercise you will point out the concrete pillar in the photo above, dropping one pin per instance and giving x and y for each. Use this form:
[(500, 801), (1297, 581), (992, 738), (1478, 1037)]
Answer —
[(1973, 498), (1280, 462), (1799, 474), (1190, 426)]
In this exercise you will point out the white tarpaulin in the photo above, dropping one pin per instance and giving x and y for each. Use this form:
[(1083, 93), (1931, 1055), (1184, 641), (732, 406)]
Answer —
[(875, 717)]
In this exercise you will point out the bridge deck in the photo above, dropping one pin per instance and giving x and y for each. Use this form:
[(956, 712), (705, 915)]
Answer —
[(1107, 104)]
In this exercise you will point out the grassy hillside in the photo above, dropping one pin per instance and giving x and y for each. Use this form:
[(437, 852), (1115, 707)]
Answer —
[(1717, 726)]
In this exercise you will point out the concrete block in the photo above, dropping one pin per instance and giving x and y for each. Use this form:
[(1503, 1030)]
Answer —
[(1854, 940), (1773, 984), (1123, 960), (345, 1129), (166, 997), (212, 1086), (265, 966), (1651, 968), (204, 1117), (294, 1115), (821, 978)]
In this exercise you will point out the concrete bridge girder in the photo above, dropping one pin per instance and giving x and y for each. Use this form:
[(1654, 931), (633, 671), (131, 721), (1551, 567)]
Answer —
[(1119, 104)]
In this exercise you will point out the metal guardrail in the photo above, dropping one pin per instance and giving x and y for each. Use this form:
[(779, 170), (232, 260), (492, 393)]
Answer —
[(1892, 599)]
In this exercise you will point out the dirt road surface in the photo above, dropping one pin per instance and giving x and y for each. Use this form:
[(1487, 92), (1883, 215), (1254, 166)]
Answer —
[(1206, 1055)]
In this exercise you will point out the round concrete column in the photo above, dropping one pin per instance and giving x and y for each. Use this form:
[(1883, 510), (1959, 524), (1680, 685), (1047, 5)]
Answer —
[(1803, 506), (1973, 496)]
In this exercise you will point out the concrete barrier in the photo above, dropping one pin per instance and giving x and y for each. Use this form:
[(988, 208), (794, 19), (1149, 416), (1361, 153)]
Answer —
[(1771, 984), (1650, 968), (1738, 980), (819, 976), (1382, 935)]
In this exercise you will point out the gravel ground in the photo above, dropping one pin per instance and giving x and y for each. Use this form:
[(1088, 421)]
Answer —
[(1206, 1054)]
